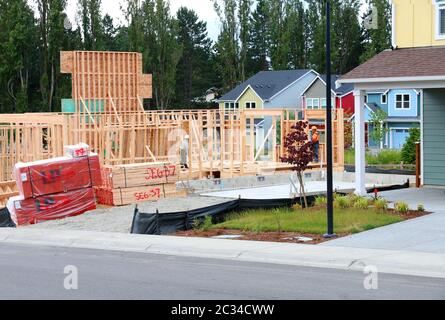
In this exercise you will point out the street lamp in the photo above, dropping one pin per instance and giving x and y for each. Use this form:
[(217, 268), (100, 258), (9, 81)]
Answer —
[(329, 162)]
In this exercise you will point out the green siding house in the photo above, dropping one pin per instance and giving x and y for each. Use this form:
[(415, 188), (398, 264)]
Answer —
[(269, 90), (422, 68)]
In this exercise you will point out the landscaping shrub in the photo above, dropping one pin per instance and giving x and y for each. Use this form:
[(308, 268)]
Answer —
[(409, 148), (420, 208), (321, 201), (203, 225), (353, 198), (343, 202), (383, 157), (381, 204), (401, 207), (361, 203)]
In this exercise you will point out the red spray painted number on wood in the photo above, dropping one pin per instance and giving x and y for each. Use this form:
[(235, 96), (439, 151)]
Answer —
[(154, 193), (159, 173)]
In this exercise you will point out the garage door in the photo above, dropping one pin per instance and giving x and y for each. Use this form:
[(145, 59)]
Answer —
[(434, 137), (398, 138)]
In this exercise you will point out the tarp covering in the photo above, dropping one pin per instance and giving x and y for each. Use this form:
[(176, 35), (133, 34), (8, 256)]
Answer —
[(5, 219), (57, 175), (51, 207), (167, 223)]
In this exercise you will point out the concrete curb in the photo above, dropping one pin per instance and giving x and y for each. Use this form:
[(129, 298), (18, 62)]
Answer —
[(386, 261)]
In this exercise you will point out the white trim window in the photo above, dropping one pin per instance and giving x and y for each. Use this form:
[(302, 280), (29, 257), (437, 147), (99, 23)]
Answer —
[(440, 19), (384, 99), (251, 105), (403, 101), (312, 103), (324, 103)]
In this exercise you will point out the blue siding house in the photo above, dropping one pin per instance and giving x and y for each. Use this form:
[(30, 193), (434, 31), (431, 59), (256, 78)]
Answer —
[(403, 110)]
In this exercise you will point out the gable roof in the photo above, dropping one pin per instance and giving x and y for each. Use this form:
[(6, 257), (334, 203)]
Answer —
[(343, 89), (372, 106), (401, 63), (340, 91), (267, 84)]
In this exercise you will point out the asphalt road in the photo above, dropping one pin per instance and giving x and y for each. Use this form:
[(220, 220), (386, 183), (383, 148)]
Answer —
[(32, 272)]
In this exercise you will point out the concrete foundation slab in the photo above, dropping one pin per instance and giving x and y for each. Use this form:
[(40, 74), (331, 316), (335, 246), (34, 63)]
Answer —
[(283, 191)]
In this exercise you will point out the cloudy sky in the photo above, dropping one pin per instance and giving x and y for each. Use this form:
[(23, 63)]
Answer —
[(204, 9)]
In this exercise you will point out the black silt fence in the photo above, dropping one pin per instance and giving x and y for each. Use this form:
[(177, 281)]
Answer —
[(5, 219), (168, 223)]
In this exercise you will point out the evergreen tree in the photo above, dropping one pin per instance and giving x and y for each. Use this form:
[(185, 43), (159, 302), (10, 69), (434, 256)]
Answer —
[(92, 24), (350, 44), (275, 30), (17, 43), (378, 40), (109, 34), (191, 71), (162, 50), (259, 40), (52, 34), (227, 45)]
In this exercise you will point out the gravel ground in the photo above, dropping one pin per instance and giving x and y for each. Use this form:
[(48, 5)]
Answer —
[(119, 219)]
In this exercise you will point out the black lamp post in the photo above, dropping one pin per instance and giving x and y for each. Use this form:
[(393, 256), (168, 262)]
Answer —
[(329, 161)]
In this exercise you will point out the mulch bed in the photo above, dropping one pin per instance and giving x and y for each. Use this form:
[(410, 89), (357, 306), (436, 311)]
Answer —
[(286, 237)]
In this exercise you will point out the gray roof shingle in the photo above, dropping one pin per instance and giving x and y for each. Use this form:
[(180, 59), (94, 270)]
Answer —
[(266, 83), (409, 62), (343, 89)]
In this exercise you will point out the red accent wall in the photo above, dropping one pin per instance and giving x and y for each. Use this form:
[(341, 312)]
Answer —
[(348, 103)]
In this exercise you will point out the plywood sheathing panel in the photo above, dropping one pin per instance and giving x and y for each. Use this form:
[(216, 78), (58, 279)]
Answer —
[(109, 80)]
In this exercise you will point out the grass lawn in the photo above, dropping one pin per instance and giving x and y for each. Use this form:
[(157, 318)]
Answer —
[(310, 221), (383, 157)]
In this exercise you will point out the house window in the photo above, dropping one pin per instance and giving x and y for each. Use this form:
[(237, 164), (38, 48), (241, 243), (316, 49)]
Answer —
[(324, 103), (316, 104), (237, 105), (250, 105), (309, 103), (384, 99), (366, 98), (440, 19), (226, 105), (403, 101)]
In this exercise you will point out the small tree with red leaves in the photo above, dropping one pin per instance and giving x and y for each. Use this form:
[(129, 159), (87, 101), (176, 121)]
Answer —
[(299, 152)]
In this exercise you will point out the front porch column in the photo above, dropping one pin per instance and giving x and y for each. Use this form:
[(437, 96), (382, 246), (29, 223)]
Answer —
[(359, 96)]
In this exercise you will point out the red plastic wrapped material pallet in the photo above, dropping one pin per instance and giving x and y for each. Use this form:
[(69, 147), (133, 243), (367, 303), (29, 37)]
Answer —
[(57, 175), (51, 207)]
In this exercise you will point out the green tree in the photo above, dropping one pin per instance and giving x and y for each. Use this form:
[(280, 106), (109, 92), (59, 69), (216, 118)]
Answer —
[(377, 121), (378, 40), (92, 24), (409, 148), (17, 42), (294, 35), (162, 50), (227, 45), (259, 40), (132, 10), (349, 44), (191, 71)]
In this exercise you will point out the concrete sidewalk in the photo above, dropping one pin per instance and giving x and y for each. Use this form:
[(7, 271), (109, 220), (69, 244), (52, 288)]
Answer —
[(425, 234), (387, 261)]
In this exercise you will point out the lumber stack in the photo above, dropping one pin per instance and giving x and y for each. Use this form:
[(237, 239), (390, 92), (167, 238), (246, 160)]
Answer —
[(55, 188), (139, 182), (8, 189)]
